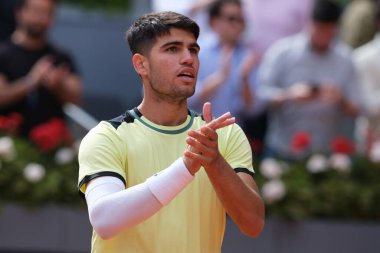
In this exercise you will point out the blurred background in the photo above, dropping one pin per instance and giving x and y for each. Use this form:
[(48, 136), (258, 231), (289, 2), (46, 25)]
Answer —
[(315, 201)]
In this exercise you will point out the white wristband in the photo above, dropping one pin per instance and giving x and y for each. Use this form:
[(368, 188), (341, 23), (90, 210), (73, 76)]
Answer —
[(166, 184)]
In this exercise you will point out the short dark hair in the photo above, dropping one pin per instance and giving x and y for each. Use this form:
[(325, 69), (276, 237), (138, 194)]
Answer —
[(21, 3), (144, 32), (215, 7), (326, 11)]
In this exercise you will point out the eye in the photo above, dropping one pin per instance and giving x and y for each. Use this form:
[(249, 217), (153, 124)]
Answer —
[(194, 50), (172, 49)]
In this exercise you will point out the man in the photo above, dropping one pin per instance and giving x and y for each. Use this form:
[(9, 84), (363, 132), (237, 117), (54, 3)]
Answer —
[(366, 60), (310, 85), (36, 78), (273, 20), (227, 74), (160, 178)]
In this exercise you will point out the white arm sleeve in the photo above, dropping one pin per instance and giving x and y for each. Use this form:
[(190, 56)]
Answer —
[(113, 209)]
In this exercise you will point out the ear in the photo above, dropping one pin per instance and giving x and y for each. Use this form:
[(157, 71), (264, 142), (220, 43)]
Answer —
[(140, 63)]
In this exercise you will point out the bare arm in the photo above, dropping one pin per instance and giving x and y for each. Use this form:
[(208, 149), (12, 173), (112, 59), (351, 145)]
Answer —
[(248, 64), (214, 81), (66, 85), (12, 93)]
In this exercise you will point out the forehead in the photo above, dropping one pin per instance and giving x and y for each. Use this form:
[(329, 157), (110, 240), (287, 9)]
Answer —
[(230, 8), (39, 3), (178, 35)]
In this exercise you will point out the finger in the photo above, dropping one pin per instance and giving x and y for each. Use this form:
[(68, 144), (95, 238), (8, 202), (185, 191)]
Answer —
[(209, 133), (222, 121), (225, 123), (207, 113), (196, 147), (193, 156), (204, 139)]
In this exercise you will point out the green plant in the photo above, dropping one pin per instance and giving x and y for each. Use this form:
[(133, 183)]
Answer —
[(297, 190), (111, 6), (38, 170)]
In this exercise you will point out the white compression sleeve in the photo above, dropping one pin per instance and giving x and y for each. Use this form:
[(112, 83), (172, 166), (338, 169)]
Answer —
[(112, 208)]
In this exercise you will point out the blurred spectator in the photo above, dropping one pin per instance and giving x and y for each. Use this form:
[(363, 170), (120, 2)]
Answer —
[(36, 78), (358, 22), (274, 19), (310, 84), (7, 18), (226, 76), (367, 61), (195, 9)]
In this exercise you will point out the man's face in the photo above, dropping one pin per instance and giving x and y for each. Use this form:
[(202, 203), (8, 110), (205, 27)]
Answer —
[(172, 65), (36, 17), (322, 35), (230, 24)]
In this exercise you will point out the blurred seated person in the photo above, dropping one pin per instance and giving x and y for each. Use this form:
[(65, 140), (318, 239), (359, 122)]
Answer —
[(36, 77), (358, 22), (310, 85), (226, 75), (367, 61), (272, 20)]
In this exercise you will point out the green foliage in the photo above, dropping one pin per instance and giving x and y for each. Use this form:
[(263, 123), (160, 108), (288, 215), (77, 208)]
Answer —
[(110, 6), (56, 185), (352, 194)]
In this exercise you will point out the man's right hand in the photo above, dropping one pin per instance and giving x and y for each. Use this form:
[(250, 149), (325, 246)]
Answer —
[(39, 71), (220, 122)]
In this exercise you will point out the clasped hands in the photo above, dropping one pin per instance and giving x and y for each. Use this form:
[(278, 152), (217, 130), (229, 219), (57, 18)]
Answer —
[(202, 147), (44, 72)]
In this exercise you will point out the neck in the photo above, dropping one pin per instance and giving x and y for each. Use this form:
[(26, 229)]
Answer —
[(228, 43), (21, 38), (164, 113)]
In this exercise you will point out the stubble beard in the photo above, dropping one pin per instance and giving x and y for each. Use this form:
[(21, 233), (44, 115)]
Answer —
[(175, 95), (36, 33)]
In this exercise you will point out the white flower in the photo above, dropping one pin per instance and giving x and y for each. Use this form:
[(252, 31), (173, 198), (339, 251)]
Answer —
[(340, 162), (273, 190), (34, 172), (64, 156), (374, 153), (7, 148), (317, 163), (270, 168)]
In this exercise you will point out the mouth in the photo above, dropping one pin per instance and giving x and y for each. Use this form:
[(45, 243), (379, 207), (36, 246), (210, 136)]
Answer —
[(187, 74)]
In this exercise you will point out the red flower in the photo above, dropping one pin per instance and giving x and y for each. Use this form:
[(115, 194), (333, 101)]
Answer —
[(342, 145), (10, 124), (50, 135), (300, 141)]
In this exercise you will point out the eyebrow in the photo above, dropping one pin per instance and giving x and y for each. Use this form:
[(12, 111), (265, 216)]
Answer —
[(180, 43)]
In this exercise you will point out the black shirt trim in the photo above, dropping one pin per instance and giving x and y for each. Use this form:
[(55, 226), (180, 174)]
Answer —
[(88, 178)]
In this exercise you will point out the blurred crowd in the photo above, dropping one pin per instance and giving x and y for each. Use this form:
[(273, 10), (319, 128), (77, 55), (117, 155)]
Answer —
[(291, 71), (295, 73)]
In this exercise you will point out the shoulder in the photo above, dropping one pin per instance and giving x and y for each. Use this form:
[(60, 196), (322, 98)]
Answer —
[(286, 47), (109, 129), (56, 49), (368, 51), (60, 54), (119, 120), (343, 53)]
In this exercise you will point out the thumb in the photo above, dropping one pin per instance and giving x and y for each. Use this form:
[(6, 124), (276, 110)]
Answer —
[(207, 114)]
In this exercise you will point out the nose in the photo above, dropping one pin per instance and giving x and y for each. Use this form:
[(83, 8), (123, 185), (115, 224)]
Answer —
[(187, 57)]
